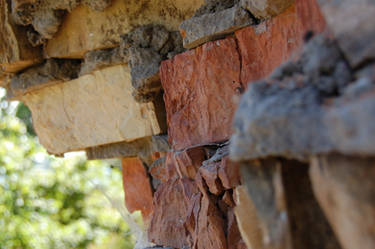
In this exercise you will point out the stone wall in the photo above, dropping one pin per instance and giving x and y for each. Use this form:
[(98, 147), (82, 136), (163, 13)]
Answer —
[(240, 123)]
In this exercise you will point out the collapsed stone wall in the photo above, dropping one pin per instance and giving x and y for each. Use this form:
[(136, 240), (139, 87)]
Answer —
[(240, 123)]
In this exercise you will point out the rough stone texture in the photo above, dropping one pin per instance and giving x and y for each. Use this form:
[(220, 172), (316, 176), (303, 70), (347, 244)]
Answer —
[(186, 163), (145, 47), (352, 25), (99, 30), (50, 73), (92, 110), (263, 9), (137, 187), (286, 212), (176, 204), (199, 30), (199, 90), (98, 5), (161, 172), (99, 59), (210, 231), (307, 107), (344, 187), (144, 64), (220, 173), (209, 173), (194, 219), (213, 6), (271, 43), (144, 148), (45, 17), (15, 51), (46, 22)]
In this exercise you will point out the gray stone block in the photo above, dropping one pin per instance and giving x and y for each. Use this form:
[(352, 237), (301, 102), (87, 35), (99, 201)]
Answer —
[(199, 30)]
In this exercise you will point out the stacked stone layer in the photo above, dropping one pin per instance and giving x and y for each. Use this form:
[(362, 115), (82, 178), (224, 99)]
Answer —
[(240, 123)]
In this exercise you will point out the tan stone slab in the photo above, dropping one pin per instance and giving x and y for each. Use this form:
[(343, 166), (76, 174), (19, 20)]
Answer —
[(247, 219), (84, 29), (92, 110), (15, 51)]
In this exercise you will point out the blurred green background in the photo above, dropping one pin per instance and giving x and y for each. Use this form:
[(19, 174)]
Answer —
[(54, 203)]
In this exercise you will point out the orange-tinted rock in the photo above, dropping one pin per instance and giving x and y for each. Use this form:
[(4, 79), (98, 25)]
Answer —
[(185, 217), (185, 163), (137, 188), (220, 175), (229, 173), (268, 45), (209, 172), (176, 205), (211, 226), (199, 88), (159, 171)]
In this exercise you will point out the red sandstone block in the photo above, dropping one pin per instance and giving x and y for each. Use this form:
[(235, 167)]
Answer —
[(221, 175), (137, 188), (199, 86), (268, 45)]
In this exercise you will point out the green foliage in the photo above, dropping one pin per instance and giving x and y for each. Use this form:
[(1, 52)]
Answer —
[(52, 203)]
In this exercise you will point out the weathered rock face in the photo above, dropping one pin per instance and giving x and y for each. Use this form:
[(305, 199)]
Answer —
[(204, 219), (15, 51), (136, 181), (99, 59), (186, 163), (199, 103), (99, 30), (344, 187), (146, 46), (268, 45), (214, 6), (200, 89), (66, 116), (265, 9), (176, 205), (351, 24), (220, 173)]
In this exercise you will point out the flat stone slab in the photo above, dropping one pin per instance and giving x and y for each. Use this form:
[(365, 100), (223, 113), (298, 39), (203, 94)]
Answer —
[(95, 109), (199, 30), (198, 93)]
